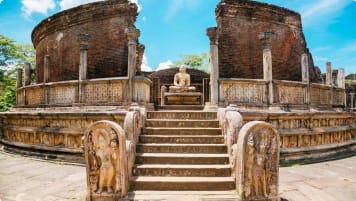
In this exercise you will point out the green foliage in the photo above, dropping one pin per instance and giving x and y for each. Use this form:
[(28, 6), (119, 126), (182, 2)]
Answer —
[(196, 61), (8, 97), (12, 56)]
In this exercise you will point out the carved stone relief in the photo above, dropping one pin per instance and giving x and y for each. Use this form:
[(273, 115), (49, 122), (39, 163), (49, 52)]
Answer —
[(258, 162), (106, 161)]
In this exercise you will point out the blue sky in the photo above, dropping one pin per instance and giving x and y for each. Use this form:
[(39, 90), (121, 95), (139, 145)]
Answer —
[(170, 28)]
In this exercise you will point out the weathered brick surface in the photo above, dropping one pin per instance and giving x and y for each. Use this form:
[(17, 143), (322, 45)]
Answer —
[(240, 50), (104, 21)]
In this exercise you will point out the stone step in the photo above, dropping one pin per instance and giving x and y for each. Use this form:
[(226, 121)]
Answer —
[(185, 139), (173, 158), (182, 183), (182, 148), (181, 131), (170, 170), (181, 123), (141, 195), (174, 114), (180, 107)]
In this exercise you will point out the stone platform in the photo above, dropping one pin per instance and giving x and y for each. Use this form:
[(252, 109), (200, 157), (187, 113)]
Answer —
[(187, 98), (26, 179)]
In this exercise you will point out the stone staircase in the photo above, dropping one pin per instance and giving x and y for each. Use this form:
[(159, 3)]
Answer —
[(182, 151)]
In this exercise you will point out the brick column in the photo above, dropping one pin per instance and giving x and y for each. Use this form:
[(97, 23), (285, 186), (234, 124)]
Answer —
[(132, 36), (27, 68), (46, 69), (83, 63), (305, 76), (328, 77), (266, 39), (19, 78), (214, 65)]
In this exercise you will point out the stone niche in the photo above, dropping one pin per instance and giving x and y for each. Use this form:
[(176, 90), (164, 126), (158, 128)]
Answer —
[(240, 50), (166, 77), (104, 21)]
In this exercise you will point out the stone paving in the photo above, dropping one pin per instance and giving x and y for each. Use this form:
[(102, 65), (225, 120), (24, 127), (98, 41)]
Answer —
[(24, 179)]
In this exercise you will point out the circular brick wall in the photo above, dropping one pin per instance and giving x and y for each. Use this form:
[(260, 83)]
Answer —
[(240, 50), (104, 21)]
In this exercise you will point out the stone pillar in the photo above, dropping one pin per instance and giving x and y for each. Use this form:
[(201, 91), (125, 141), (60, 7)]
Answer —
[(341, 78), (132, 36), (305, 76), (140, 53), (27, 67), (214, 65), (266, 39), (352, 101), (83, 63), (19, 78), (329, 76), (46, 69)]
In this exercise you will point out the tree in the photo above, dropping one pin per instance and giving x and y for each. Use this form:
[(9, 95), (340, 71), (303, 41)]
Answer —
[(12, 55), (196, 61)]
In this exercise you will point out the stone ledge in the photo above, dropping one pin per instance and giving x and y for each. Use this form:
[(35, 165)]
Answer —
[(43, 147)]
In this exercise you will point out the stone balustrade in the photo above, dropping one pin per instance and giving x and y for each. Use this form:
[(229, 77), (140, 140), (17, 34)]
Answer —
[(106, 91), (243, 91), (253, 92)]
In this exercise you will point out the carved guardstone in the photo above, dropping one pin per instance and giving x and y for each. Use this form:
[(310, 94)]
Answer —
[(257, 162), (106, 162)]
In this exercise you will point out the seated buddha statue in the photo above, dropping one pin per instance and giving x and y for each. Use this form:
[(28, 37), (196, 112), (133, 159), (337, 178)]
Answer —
[(181, 82)]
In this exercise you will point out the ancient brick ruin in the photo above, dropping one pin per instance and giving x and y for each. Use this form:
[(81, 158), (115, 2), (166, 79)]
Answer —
[(259, 105), (239, 22), (105, 22)]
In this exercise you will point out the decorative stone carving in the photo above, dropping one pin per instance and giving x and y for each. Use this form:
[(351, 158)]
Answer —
[(106, 161), (132, 125), (258, 162), (232, 124)]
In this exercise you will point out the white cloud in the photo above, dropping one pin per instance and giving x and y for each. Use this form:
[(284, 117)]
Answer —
[(144, 65), (37, 6), (164, 65), (320, 9), (66, 4), (138, 5), (1, 1)]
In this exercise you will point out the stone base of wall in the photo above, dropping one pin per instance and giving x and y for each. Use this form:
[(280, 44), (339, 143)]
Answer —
[(53, 134)]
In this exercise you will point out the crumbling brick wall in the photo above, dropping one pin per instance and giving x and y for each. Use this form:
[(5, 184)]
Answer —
[(240, 50), (105, 22)]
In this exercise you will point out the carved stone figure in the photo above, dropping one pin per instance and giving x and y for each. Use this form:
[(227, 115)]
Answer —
[(181, 82), (105, 155), (257, 162), (106, 161)]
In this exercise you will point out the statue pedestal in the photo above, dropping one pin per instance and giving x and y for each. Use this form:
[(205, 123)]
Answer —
[(184, 98)]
